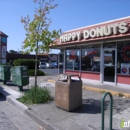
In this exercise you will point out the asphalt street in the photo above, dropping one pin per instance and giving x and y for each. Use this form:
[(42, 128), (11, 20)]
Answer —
[(13, 119), (50, 71)]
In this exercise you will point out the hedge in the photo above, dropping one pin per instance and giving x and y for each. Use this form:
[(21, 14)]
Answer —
[(25, 62), (39, 73)]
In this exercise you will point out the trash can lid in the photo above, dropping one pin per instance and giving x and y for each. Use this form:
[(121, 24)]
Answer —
[(63, 77), (67, 77)]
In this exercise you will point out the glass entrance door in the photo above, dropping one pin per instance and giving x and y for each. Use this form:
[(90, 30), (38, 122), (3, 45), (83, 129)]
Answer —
[(109, 65)]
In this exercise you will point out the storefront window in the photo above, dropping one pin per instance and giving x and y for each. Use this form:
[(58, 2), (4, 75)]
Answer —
[(123, 58), (90, 60), (73, 58)]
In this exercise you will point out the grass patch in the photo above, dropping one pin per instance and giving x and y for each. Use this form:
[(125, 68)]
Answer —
[(35, 96)]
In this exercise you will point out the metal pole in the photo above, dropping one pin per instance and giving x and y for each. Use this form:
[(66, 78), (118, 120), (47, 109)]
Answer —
[(58, 64), (102, 110), (64, 60)]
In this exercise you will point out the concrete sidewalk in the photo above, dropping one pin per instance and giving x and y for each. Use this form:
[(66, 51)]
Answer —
[(98, 87), (88, 117), (13, 119)]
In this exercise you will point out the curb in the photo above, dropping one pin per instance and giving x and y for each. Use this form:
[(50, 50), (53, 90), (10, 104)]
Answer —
[(115, 93), (13, 100), (26, 110), (52, 81), (42, 122)]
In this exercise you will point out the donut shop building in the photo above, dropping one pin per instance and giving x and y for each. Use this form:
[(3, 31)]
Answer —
[(98, 53)]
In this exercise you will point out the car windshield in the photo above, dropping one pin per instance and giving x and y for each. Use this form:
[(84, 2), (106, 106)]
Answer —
[(42, 63)]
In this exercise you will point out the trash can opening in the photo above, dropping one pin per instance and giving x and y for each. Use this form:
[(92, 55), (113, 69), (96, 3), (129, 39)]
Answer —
[(74, 80)]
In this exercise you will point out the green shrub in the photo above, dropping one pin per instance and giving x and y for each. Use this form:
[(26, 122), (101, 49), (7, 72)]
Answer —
[(35, 95), (25, 62), (39, 73)]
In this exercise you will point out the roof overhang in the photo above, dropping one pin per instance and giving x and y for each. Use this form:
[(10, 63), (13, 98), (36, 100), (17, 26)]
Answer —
[(102, 32)]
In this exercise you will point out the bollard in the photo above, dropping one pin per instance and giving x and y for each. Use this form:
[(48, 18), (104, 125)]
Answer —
[(102, 110)]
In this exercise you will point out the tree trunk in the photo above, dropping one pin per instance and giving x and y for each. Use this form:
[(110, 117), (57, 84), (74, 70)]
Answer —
[(36, 60)]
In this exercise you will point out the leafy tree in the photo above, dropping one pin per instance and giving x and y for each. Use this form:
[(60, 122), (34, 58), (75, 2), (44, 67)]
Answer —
[(12, 52), (37, 30)]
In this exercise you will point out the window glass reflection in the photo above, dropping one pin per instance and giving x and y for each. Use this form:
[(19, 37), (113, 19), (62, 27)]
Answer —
[(123, 58), (90, 58), (73, 58)]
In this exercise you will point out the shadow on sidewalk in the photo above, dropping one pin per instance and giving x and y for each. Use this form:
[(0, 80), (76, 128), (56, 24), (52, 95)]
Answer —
[(2, 98), (15, 87), (10, 83), (93, 106), (90, 106), (3, 91)]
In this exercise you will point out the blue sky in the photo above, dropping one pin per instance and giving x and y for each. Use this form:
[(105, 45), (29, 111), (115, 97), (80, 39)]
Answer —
[(69, 14)]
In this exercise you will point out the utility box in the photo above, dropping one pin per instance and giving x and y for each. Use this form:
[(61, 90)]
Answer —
[(5, 73), (68, 92), (20, 76)]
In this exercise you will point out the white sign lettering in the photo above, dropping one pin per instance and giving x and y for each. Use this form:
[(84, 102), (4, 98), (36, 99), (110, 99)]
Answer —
[(123, 28), (99, 32), (96, 32), (86, 34)]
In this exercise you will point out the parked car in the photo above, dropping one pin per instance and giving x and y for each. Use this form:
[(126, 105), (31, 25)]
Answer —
[(55, 64), (50, 65), (42, 65)]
